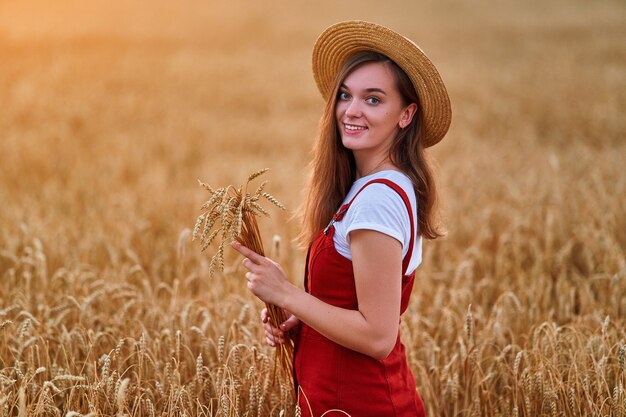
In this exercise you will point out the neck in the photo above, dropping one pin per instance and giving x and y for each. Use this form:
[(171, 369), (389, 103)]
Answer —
[(365, 168)]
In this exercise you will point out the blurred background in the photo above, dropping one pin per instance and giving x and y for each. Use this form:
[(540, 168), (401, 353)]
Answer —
[(111, 110)]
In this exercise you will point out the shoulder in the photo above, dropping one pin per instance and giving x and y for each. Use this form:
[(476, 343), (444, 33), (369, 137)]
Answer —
[(391, 191), (383, 203), (378, 200)]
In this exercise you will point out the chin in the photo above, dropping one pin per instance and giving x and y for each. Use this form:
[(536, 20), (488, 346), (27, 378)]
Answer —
[(350, 143)]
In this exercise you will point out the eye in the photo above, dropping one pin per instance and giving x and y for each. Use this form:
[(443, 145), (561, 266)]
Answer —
[(344, 96), (373, 100)]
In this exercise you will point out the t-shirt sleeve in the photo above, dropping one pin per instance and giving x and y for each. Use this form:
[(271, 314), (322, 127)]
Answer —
[(380, 208)]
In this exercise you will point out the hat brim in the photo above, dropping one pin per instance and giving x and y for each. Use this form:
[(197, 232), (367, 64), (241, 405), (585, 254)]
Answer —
[(342, 40)]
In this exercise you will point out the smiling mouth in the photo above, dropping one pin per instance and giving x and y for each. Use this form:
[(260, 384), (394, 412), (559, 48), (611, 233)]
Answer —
[(354, 128)]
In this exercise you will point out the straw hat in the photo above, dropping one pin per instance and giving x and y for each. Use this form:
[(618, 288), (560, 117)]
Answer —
[(341, 40)]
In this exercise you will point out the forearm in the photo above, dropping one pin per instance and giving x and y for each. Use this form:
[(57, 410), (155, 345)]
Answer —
[(373, 328), (349, 328)]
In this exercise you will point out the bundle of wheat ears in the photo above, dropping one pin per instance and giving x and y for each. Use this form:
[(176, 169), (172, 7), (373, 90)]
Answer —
[(236, 211)]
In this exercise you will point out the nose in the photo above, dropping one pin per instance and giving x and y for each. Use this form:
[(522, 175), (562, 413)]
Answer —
[(353, 109)]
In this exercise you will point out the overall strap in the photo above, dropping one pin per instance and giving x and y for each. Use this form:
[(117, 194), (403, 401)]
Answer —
[(342, 211)]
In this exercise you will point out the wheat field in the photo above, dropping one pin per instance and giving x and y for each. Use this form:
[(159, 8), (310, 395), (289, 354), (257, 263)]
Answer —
[(111, 111)]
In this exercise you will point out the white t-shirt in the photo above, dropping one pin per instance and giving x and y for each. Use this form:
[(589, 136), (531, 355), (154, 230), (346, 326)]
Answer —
[(379, 207)]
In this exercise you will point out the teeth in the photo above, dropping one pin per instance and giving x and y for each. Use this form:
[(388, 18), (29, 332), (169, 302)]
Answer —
[(352, 127)]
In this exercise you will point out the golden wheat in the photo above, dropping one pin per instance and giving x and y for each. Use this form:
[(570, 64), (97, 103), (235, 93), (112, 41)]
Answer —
[(237, 211)]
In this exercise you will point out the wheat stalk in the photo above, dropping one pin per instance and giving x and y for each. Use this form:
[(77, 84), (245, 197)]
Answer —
[(236, 211)]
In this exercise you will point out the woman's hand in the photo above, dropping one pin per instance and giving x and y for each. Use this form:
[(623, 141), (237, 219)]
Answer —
[(266, 278), (274, 336)]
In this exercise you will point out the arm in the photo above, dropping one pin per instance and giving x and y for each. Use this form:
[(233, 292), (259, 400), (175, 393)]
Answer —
[(373, 328)]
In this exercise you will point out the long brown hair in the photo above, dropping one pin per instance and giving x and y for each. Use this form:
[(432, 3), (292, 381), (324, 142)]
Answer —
[(333, 168)]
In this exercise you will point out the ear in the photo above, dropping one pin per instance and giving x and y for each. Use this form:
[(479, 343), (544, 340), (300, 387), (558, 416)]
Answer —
[(407, 115)]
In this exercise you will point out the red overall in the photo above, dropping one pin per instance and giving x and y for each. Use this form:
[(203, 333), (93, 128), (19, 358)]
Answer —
[(331, 376)]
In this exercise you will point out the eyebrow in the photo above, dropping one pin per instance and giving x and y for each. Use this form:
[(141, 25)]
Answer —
[(369, 90)]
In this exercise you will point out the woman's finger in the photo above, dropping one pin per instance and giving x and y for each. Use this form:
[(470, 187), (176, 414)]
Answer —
[(251, 266), (273, 331), (290, 323), (276, 340), (269, 329), (273, 335), (253, 256)]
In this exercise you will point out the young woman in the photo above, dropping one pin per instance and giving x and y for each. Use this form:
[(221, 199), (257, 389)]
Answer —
[(370, 203)]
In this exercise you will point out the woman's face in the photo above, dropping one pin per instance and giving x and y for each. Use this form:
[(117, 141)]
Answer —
[(370, 110)]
